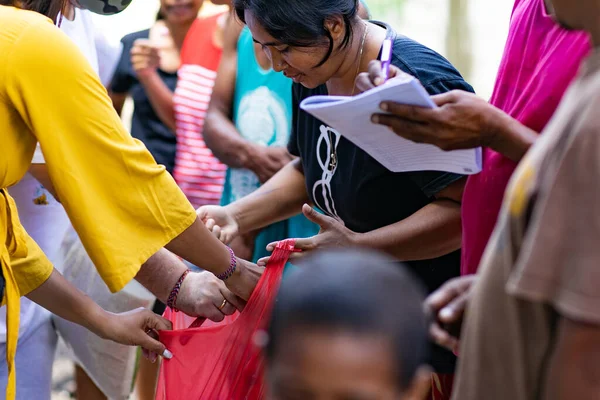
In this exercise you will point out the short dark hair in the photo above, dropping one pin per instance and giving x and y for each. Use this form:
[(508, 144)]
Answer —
[(300, 23), (362, 292), (49, 8)]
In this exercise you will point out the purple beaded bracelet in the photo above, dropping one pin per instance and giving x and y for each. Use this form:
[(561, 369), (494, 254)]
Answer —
[(232, 266)]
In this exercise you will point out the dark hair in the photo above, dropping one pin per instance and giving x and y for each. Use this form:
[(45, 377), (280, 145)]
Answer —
[(300, 23), (49, 8), (356, 291)]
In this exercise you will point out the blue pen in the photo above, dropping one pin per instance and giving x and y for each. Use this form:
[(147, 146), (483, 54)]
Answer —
[(386, 58)]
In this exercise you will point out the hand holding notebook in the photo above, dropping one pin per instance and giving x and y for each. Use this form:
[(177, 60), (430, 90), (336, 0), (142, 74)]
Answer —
[(351, 117)]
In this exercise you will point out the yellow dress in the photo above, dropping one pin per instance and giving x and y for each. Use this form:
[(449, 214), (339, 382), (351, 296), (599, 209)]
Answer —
[(123, 205)]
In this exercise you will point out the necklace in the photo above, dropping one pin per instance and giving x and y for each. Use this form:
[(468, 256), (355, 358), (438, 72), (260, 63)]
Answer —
[(333, 155)]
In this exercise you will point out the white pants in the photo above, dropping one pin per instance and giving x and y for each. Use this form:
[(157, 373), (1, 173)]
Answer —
[(35, 356)]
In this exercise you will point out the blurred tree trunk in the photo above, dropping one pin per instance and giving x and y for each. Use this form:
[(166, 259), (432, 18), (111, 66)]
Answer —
[(458, 38)]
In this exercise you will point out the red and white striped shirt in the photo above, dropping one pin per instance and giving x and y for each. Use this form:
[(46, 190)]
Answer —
[(197, 171)]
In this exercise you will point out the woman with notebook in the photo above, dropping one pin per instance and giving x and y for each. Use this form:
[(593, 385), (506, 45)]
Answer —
[(415, 217)]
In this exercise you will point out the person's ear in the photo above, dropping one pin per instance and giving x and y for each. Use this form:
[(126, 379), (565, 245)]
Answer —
[(336, 27), (420, 387)]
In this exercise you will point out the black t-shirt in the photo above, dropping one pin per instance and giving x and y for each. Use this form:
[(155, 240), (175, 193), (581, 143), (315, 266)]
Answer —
[(145, 123), (363, 193)]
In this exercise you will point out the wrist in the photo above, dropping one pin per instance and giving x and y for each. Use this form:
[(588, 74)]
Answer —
[(495, 129), (174, 294), (146, 75), (246, 154), (100, 323), (231, 270), (355, 239), (235, 212)]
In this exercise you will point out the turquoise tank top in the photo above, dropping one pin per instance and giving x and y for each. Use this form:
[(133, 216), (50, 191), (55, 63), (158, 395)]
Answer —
[(262, 114)]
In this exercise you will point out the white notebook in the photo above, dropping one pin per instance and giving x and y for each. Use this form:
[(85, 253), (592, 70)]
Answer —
[(351, 117)]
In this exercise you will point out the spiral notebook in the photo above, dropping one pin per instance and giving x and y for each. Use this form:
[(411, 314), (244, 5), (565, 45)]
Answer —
[(351, 117)]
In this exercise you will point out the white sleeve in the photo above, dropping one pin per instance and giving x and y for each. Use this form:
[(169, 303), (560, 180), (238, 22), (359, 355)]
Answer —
[(38, 157), (109, 54)]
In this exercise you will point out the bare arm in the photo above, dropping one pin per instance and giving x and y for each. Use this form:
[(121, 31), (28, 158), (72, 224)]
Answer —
[(280, 198), (63, 299), (215, 258), (220, 133), (438, 225), (118, 100), (574, 370), (161, 98), (161, 271), (145, 60), (511, 138)]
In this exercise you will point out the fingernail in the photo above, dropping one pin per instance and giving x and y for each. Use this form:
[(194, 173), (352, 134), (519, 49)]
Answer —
[(378, 81), (167, 354), (446, 313), (375, 119), (384, 106)]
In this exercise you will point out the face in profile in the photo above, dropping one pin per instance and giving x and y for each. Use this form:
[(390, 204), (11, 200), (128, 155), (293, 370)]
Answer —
[(304, 65), (327, 364)]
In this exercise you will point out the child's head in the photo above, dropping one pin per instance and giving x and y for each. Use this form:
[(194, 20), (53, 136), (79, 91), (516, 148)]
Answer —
[(348, 326)]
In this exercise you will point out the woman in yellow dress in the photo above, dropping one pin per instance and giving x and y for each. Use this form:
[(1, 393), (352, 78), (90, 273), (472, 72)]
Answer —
[(124, 206)]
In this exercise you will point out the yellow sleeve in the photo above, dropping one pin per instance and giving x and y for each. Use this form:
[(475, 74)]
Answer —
[(32, 270), (122, 204)]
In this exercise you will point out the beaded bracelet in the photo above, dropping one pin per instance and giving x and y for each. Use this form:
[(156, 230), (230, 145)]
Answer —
[(172, 300), (227, 274)]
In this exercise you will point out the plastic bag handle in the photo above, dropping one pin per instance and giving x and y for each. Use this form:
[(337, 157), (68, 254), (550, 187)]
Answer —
[(289, 246)]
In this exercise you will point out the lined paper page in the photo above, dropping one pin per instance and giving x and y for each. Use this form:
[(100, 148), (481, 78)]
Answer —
[(351, 117)]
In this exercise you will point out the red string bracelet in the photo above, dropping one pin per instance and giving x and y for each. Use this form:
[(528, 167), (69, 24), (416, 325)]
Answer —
[(172, 300)]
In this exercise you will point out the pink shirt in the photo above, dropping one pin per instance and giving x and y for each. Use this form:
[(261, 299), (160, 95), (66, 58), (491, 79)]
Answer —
[(540, 60), (199, 174)]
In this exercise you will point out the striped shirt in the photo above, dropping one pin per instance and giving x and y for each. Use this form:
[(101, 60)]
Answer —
[(197, 171)]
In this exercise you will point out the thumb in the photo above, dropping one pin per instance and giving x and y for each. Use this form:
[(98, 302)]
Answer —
[(313, 216), (202, 213), (445, 98), (154, 323)]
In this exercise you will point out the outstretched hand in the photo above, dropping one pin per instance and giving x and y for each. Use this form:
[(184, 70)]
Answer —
[(333, 233)]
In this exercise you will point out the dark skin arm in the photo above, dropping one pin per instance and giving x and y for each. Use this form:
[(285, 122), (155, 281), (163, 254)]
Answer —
[(574, 370), (220, 133), (214, 258), (146, 60), (461, 121), (438, 224), (118, 100)]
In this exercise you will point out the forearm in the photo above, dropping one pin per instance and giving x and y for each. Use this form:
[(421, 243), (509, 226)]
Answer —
[(161, 98), (511, 138), (198, 246), (224, 140), (280, 198), (160, 273), (61, 298), (431, 232)]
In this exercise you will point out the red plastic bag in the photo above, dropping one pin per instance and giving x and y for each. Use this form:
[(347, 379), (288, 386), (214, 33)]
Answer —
[(219, 361)]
